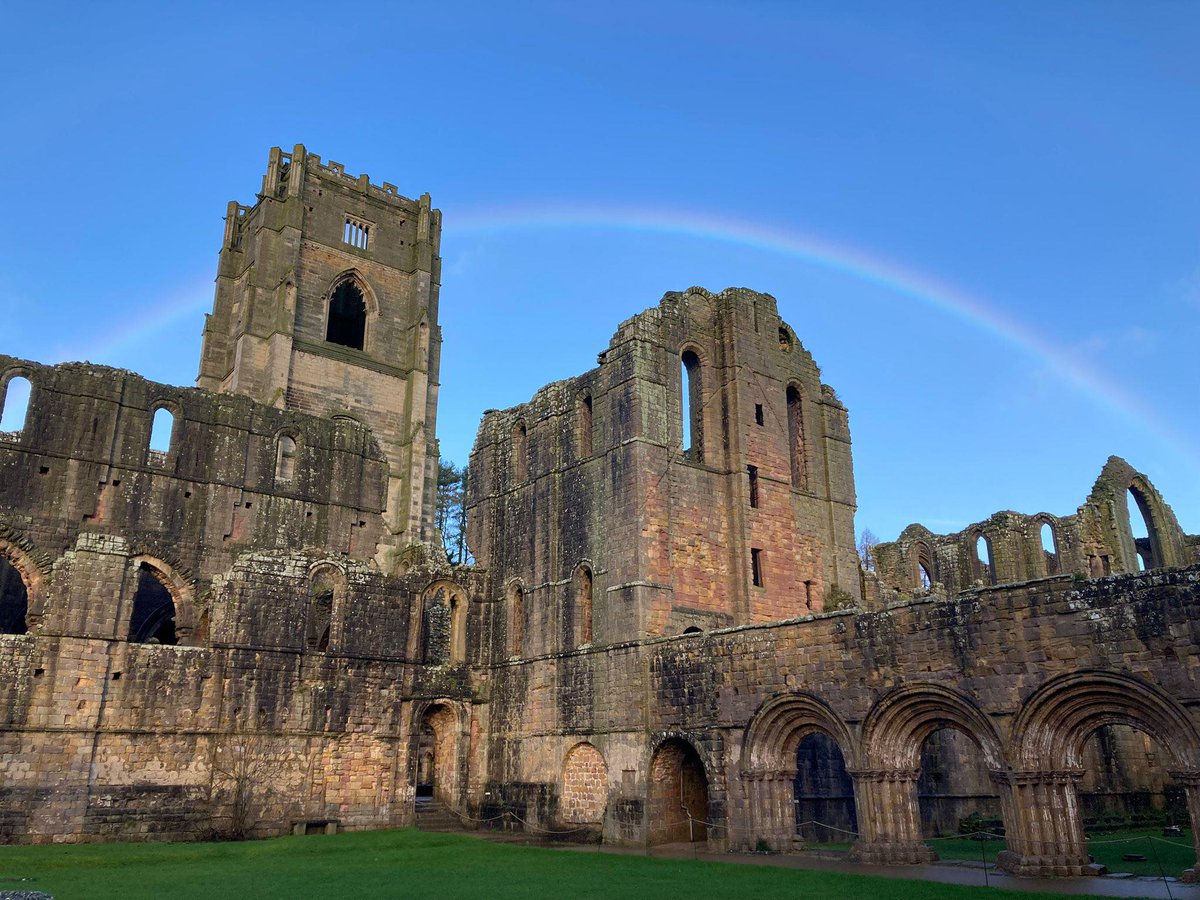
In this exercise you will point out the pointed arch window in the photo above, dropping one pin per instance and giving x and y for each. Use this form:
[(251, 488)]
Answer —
[(14, 600), (1049, 539), (984, 562), (584, 441), (347, 322), (153, 618)]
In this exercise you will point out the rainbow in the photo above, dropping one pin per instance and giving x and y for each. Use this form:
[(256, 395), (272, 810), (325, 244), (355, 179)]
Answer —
[(855, 262)]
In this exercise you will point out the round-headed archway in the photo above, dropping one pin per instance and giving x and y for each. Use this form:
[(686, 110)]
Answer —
[(436, 769), (678, 807)]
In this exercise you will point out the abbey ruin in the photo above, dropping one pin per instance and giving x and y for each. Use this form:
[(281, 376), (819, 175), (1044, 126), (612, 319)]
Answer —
[(667, 634)]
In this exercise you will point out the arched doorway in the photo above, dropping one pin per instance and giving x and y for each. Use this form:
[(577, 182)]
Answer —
[(14, 600), (678, 808), (823, 791), (435, 773), (1067, 770)]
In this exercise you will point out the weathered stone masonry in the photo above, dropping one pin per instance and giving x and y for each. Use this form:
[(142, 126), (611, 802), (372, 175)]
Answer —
[(667, 610)]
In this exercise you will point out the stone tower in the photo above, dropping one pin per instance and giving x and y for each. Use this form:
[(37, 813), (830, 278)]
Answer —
[(327, 303)]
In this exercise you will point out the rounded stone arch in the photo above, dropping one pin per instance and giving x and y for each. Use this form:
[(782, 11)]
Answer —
[(584, 795), (780, 723), (678, 793), (923, 568), (34, 575), (1150, 505), (444, 605), (898, 724), (1055, 721), (288, 444), (179, 583)]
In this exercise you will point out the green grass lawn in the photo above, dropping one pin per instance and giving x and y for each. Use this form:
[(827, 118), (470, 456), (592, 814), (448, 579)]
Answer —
[(413, 864), (1175, 854)]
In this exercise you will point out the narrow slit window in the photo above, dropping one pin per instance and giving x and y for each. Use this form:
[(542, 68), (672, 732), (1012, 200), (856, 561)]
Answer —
[(795, 418), (756, 566), (692, 401), (585, 426), (520, 453), (752, 472), (758, 414), (16, 405)]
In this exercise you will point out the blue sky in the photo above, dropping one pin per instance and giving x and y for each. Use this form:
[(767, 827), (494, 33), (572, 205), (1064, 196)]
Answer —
[(982, 219)]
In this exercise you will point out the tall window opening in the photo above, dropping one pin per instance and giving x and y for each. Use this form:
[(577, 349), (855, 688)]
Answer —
[(16, 405), (1049, 548), (692, 398), (520, 453), (756, 566), (983, 557), (759, 418), (1138, 512), (285, 459), (347, 316), (14, 600), (320, 611), (795, 420), (585, 426), (516, 620), (583, 606), (752, 472), (162, 429), (153, 617)]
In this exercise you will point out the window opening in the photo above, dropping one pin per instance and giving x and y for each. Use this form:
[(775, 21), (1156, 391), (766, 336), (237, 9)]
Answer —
[(756, 566), (752, 471), (758, 414), (583, 606), (162, 428), (520, 453), (516, 621), (692, 400), (795, 419), (926, 578), (983, 554), (1049, 548), (320, 612), (1139, 526), (16, 405), (14, 600), (356, 233), (285, 458), (347, 324), (585, 427), (153, 617)]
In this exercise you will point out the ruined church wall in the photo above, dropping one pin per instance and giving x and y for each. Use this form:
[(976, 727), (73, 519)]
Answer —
[(995, 647)]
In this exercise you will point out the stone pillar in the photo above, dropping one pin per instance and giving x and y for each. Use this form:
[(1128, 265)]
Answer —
[(1043, 827), (1191, 786), (889, 819)]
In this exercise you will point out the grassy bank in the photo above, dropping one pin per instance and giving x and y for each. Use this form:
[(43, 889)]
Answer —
[(414, 864)]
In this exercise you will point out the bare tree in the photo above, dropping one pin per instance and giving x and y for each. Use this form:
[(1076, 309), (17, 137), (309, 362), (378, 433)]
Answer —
[(866, 547)]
